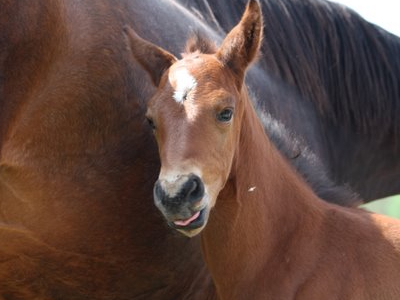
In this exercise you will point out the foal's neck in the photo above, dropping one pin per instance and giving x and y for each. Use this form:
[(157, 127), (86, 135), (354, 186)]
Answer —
[(254, 228)]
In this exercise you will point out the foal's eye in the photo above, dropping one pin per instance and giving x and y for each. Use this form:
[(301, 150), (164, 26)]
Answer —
[(225, 115), (151, 123)]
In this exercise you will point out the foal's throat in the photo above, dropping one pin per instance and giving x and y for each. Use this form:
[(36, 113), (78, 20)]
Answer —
[(256, 212)]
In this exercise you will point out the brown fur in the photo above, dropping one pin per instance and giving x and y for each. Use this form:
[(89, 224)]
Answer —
[(269, 236), (77, 161)]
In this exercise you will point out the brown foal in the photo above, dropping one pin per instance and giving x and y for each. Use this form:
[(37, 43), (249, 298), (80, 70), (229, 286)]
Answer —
[(268, 235)]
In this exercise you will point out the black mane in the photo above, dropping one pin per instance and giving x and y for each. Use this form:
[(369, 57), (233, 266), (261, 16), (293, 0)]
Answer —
[(348, 67)]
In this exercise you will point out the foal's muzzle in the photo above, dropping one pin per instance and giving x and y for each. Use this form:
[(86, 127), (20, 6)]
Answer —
[(180, 201)]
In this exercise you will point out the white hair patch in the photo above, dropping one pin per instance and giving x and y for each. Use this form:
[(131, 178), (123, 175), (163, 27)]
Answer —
[(184, 84)]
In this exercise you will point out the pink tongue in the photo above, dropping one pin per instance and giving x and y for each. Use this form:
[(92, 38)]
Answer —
[(187, 221)]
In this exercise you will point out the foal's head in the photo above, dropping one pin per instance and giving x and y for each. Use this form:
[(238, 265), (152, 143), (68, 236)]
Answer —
[(196, 115)]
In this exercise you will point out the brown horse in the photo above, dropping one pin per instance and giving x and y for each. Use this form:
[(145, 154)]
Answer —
[(77, 161), (269, 236)]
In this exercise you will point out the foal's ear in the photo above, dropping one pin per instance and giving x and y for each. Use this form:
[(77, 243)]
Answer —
[(241, 45), (152, 58)]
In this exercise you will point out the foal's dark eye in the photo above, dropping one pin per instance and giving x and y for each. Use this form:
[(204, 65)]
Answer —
[(151, 123), (225, 115)]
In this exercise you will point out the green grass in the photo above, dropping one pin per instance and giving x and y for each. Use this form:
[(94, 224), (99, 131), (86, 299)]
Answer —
[(388, 206)]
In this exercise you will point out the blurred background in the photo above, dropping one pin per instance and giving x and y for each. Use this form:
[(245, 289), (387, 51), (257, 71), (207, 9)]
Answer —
[(388, 206), (384, 13)]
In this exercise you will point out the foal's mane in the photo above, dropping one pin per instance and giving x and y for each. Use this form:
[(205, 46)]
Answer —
[(348, 67)]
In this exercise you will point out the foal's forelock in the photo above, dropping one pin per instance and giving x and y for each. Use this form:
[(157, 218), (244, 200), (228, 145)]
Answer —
[(199, 43), (185, 81)]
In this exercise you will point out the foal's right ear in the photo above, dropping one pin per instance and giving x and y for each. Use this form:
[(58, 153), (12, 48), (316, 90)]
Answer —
[(241, 46), (151, 57)]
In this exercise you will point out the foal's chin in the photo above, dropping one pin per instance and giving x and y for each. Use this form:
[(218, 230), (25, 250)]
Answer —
[(192, 229), (191, 233)]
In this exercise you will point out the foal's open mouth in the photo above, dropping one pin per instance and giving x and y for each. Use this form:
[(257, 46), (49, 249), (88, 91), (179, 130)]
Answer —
[(197, 220)]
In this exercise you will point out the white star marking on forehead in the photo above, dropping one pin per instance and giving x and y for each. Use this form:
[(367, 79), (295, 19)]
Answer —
[(184, 84)]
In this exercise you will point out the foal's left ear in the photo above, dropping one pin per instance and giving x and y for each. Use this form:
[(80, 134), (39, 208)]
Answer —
[(241, 45), (153, 59)]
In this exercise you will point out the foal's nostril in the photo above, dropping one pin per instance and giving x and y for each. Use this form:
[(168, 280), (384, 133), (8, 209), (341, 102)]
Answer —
[(158, 191), (196, 191), (175, 196), (194, 186)]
